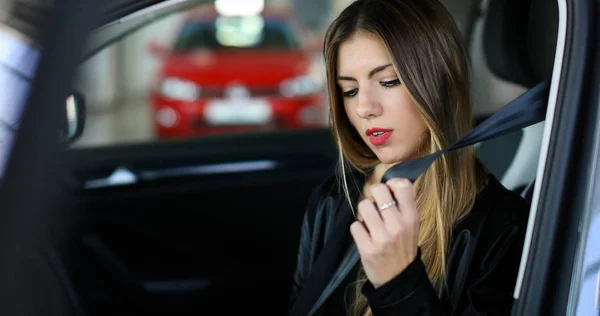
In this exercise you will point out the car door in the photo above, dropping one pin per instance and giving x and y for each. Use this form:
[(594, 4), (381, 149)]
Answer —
[(189, 218)]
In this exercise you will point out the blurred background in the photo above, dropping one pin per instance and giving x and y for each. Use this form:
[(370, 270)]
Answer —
[(231, 66)]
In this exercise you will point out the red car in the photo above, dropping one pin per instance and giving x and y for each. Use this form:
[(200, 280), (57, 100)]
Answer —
[(236, 73)]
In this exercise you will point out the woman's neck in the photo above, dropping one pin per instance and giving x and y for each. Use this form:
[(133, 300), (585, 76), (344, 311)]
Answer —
[(374, 178)]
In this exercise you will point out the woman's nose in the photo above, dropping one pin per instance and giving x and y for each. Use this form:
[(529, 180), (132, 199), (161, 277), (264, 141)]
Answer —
[(368, 105)]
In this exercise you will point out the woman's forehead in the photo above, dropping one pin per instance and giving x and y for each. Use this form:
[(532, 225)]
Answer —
[(361, 53)]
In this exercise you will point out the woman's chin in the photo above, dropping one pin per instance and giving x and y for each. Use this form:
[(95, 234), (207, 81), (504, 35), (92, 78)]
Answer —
[(389, 159)]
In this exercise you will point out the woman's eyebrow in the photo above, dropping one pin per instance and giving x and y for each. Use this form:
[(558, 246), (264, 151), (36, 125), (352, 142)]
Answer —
[(371, 73)]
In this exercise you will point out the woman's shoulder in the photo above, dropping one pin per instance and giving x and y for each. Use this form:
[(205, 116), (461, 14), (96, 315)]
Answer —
[(330, 193), (496, 209), (500, 202), (328, 188)]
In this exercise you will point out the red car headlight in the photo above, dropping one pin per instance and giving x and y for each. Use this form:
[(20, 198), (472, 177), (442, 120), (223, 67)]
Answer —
[(180, 90), (166, 117)]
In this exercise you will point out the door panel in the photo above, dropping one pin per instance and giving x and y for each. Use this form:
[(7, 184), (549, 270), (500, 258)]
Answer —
[(214, 237)]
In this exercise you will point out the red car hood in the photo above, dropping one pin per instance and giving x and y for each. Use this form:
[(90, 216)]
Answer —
[(250, 68)]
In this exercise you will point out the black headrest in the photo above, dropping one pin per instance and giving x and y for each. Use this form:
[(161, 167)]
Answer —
[(520, 39)]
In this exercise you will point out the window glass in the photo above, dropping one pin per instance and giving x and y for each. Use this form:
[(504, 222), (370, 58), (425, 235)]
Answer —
[(227, 67)]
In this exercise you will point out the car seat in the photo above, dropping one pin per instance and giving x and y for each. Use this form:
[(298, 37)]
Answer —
[(519, 42)]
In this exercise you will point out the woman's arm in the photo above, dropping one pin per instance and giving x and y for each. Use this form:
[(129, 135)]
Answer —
[(410, 293), (303, 260), (488, 289), (306, 253)]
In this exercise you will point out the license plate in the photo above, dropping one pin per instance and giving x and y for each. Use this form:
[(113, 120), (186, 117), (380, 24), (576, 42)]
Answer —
[(238, 112)]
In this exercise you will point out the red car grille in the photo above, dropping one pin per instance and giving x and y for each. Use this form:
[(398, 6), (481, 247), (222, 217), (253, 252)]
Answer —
[(217, 92)]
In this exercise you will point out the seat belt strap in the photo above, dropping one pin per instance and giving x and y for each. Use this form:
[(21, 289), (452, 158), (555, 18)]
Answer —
[(528, 109)]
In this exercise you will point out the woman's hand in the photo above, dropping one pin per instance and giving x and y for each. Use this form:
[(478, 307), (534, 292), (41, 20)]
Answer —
[(387, 239)]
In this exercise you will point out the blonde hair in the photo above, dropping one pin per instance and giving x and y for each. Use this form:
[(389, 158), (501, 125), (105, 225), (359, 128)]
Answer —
[(427, 50)]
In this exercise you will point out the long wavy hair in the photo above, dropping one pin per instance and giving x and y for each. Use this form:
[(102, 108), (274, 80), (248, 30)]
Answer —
[(427, 50)]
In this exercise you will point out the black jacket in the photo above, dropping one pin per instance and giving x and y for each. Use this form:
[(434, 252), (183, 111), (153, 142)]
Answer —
[(483, 260)]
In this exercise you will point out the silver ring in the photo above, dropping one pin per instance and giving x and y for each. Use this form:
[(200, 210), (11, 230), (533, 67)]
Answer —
[(387, 205)]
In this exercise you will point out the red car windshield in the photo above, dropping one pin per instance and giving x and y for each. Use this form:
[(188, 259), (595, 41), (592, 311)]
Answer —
[(251, 32)]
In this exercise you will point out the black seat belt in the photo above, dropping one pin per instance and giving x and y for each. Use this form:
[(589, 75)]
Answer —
[(528, 109)]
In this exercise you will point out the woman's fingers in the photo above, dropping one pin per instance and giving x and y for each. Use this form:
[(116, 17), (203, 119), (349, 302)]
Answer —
[(384, 199), (403, 192), (361, 236), (388, 240), (398, 218), (372, 220)]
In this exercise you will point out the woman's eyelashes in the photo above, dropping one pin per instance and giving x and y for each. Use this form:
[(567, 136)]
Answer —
[(390, 83), (385, 84), (350, 93)]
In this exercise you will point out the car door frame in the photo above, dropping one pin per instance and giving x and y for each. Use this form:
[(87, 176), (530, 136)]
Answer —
[(570, 149)]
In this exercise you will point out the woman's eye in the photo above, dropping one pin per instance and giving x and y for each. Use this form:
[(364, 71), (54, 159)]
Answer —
[(350, 93), (391, 83)]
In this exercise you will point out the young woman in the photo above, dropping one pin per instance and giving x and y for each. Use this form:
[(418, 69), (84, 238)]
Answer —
[(448, 244)]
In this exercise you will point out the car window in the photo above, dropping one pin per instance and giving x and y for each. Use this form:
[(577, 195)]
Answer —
[(204, 72)]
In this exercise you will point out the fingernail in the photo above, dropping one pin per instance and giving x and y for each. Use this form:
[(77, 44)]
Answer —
[(400, 183)]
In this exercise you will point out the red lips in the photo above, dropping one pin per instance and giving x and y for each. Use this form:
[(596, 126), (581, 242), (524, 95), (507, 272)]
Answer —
[(378, 136)]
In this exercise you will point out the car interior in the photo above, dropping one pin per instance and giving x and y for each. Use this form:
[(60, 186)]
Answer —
[(213, 223), (525, 60)]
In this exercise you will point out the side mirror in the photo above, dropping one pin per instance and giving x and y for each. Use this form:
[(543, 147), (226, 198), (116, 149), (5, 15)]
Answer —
[(74, 120), (157, 49)]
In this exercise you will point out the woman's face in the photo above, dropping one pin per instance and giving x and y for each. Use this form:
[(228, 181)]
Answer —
[(376, 102)]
